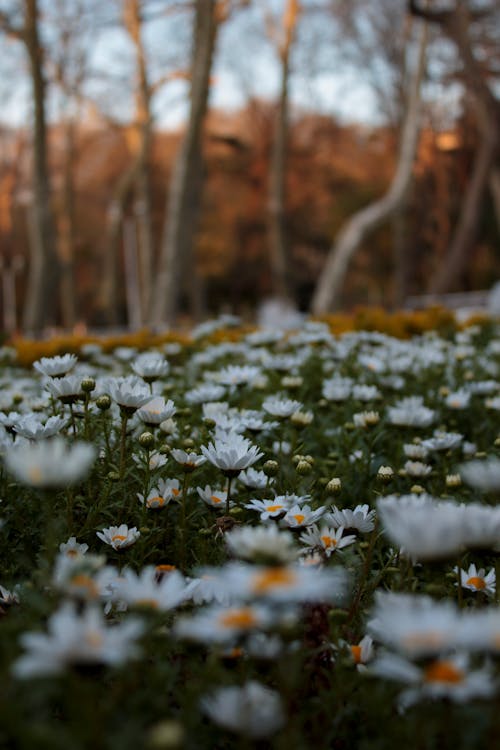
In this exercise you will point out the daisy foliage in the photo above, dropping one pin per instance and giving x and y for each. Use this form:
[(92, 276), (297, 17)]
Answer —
[(269, 539)]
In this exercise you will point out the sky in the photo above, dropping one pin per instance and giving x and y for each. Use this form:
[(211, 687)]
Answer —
[(245, 64)]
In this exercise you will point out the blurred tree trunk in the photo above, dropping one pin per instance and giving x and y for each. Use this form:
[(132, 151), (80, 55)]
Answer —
[(132, 15), (495, 192), (135, 181), (455, 24), (43, 276), (176, 253), (67, 230), (359, 226), (282, 281), (465, 234), (401, 254)]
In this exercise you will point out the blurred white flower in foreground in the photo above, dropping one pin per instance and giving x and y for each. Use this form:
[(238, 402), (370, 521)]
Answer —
[(443, 678), (252, 710), (77, 639), (50, 463), (483, 475)]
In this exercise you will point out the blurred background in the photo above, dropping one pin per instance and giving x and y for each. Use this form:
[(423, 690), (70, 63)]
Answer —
[(162, 161)]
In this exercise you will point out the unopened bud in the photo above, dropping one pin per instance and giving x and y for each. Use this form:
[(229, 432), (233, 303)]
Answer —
[(103, 402), (271, 468), (385, 473), (87, 385), (303, 468), (334, 485), (147, 440)]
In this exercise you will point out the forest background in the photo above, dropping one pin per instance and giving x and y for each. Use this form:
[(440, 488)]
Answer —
[(163, 160)]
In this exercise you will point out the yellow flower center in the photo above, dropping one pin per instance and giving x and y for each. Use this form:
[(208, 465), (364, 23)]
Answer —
[(273, 578), (35, 475), (432, 638), (215, 499), (299, 517), (93, 639), (273, 508), (164, 568), (118, 538), (329, 541), (238, 618), (156, 502), (175, 492), (84, 581), (478, 583), (443, 671), (149, 603), (356, 654)]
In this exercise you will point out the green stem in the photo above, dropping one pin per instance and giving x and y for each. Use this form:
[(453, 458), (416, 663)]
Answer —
[(183, 528), (459, 583), (73, 423), (364, 576), (123, 443), (228, 496), (497, 579)]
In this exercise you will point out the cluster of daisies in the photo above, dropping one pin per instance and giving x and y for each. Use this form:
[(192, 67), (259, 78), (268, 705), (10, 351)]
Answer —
[(288, 497)]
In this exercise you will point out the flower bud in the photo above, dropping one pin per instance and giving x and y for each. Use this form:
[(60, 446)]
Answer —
[(147, 440), (334, 485), (103, 402), (303, 468), (271, 468), (385, 473), (87, 385)]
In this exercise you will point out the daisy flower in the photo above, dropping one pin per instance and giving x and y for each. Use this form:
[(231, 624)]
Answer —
[(205, 393), (415, 625), (72, 548), (483, 475), (119, 537), (254, 479), (425, 528), (224, 624), (150, 366), (156, 411), (268, 508), (77, 638), (476, 580), (31, 427), (56, 367), (212, 497), (327, 539), (50, 463), (290, 584), (448, 678), (231, 453), (67, 389), (129, 393), (188, 460), (299, 516), (161, 494), (253, 710), (362, 652), (410, 412), (234, 375), (144, 589), (261, 543), (417, 469), (281, 407), (360, 518)]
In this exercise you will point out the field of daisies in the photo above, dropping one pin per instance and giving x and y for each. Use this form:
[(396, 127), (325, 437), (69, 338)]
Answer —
[(290, 540)]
